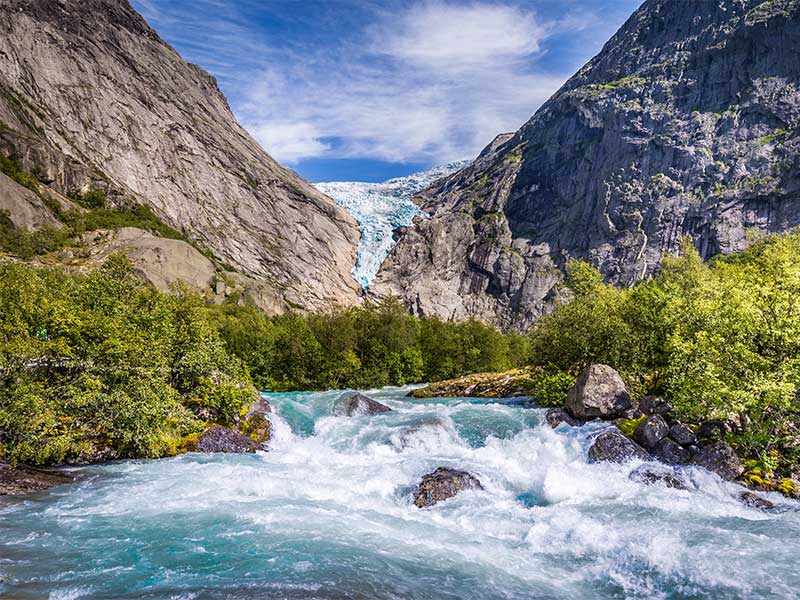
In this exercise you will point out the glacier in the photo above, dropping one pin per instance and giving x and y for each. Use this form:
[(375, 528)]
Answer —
[(379, 209)]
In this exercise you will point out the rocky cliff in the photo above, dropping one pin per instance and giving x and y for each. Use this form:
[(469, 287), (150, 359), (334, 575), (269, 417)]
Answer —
[(686, 124), (91, 97)]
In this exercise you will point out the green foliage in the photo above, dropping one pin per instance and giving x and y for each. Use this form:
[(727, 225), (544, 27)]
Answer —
[(361, 347), (719, 339), (12, 167), (628, 426), (99, 363)]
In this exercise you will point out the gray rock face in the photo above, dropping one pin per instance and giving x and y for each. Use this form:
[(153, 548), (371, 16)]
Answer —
[(598, 392), (686, 124), (222, 439), (356, 404), (651, 431), (442, 484), (719, 458), (91, 97), (682, 434), (671, 452), (25, 209), (612, 446)]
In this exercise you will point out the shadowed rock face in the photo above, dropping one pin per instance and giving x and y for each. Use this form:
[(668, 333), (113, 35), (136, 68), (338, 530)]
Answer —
[(686, 124), (356, 404), (90, 96)]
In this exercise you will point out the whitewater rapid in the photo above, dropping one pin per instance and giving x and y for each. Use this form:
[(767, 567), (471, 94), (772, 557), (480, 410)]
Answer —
[(379, 209), (327, 513)]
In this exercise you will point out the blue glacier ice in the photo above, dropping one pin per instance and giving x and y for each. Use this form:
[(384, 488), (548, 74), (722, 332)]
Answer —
[(379, 209)]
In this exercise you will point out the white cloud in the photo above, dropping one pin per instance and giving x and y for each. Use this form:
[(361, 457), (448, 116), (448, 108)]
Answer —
[(433, 82)]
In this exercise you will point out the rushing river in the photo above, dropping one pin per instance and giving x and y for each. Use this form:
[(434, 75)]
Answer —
[(326, 513)]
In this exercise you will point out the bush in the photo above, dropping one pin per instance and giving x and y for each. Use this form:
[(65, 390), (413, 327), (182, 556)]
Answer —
[(719, 339)]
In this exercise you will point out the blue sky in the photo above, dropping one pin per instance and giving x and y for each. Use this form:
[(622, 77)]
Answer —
[(361, 90)]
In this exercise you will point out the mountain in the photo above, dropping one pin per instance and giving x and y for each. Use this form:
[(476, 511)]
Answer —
[(686, 124), (92, 98), (380, 209)]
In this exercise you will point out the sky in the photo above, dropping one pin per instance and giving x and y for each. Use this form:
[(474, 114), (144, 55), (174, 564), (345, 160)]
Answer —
[(366, 90)]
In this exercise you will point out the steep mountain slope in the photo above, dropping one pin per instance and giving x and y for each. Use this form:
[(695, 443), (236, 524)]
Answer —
[(380, 209), (686, 123), (91, 97)]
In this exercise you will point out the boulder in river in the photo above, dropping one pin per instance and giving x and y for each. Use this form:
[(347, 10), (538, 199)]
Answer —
[(442, 484), (650, 431), (614, 446), (222, 439), (648, 475), (557, 416), (598, 392), (25, 480), (755, 501), (671, 452), (356, 404), (719, 458)]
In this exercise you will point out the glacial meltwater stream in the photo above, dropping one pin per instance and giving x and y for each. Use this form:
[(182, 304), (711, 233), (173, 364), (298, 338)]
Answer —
[(327, 513)]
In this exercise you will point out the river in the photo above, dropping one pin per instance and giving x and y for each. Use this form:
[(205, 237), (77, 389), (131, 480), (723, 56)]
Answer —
[(326, 513)]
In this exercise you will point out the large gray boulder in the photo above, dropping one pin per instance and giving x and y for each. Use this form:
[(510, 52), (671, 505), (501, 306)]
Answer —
[(222, 439), (649, 475), (598, 392), (442, 484), (719, 458), (613, 446), (356, 404), (671, 452)]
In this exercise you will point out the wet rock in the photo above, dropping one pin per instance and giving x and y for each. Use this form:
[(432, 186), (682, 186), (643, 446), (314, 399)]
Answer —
[(654, 405), (599, 392), (671, 452), (651, 431), (442, 484), (222, 439), (613, 446), (356, 404), (25, 480), (719, 458), (256, 424), (755, 501), (682, 434), (557, 416), (648, 475)]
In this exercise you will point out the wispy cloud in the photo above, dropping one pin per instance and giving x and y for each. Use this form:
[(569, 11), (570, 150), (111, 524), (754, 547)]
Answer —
[(433, 81)]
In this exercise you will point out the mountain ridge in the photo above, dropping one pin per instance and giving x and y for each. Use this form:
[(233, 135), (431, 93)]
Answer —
[(92, 98), (684, 124)]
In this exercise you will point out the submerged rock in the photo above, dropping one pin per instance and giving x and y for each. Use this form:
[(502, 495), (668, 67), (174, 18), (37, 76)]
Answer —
[(442, 484), (599, 392), (648, 475), (557, 416), (25, 480), (719, 458), (651, 431), (671, 452), (222, 439), (755, 501), (356, 404), (613, 446)]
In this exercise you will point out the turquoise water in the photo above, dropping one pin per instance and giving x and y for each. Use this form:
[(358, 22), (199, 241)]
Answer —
[(326, 513)]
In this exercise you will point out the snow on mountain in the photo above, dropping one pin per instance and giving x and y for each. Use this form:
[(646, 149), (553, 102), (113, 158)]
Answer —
[(379, 209)]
